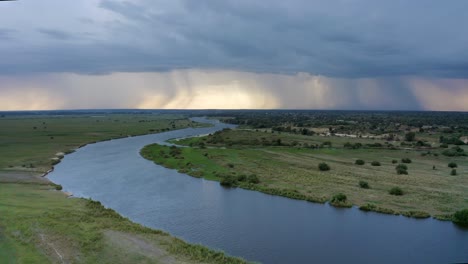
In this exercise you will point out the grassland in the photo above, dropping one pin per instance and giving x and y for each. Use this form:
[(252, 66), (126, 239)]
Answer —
[(31, 142), (287, 164), (39, 224)]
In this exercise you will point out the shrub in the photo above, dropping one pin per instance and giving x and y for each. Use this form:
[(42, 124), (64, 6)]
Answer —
[(394, 161), (416, 214), (402, 172), (360, 162), (58, 187), (339, 198), (402, 166), (452, 165), (453, 172), (443, 145), (228, 181), (323, 167), (406, 160), (396, 191), (364, 184), (375, 163), (461, 217), (401, 169)]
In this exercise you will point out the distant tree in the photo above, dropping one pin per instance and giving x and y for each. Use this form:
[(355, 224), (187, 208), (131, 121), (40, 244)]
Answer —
[(452, 165), (375, 163), (406, 160), (410, 136)]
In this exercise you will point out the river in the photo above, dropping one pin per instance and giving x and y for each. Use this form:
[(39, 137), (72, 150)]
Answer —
[(252, 225)]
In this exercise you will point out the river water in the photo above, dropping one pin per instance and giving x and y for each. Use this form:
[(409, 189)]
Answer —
[(252, 225)]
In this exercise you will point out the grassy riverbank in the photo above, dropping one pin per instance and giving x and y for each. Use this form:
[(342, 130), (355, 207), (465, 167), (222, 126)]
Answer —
[(286, 165), (39, 224)]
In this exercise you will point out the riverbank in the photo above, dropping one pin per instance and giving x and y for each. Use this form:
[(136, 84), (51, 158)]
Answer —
[(286, 169), (39, 224)]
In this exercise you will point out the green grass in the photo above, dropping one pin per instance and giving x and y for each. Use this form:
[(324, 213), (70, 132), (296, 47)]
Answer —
[(41, 220), (39, 224), (30, 142), (292, 170)]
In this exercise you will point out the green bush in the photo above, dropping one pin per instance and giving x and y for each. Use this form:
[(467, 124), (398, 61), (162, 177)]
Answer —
[(360, 162), (453, 172), (406, 160), (396, 191), (452, 165), (394, 161), (401, 169), (461, 217), (402, 172), (339, 198), (375, 163), (228, 181), (416, 214), (323, 167), (364, 184)]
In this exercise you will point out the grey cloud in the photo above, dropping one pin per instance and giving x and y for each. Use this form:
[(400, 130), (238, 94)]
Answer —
[(341, 38)]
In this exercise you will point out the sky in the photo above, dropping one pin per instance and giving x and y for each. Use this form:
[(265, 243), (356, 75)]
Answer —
[(234, 54)]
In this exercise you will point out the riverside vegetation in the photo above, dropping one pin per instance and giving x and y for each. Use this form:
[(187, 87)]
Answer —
[(395, 172), (39, 224)]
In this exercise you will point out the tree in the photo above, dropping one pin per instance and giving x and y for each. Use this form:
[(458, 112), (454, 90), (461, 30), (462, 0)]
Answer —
[(452, 165), (375, 163), (410, 136)]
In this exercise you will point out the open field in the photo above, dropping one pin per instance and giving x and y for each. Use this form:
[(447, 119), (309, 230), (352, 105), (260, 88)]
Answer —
[(30, 142), (41, 225), (290, 168)]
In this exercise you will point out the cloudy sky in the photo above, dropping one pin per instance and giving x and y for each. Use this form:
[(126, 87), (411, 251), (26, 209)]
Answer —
[(295, 54)]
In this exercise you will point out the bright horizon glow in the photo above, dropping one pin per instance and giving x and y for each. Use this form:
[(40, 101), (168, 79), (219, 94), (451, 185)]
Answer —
[(223, 89)]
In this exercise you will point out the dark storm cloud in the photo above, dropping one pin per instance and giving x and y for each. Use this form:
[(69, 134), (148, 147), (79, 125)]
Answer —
[(340, 38)]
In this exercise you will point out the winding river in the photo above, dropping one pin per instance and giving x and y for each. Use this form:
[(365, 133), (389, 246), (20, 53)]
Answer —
[(248, 224)]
